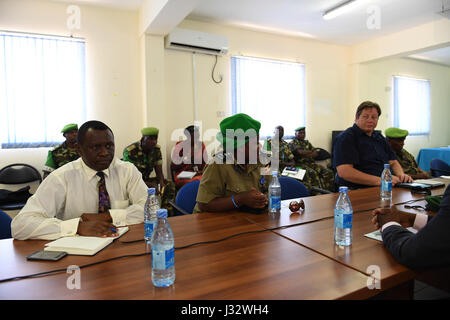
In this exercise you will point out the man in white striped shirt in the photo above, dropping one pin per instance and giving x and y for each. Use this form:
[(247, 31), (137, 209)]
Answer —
[(67, 201)]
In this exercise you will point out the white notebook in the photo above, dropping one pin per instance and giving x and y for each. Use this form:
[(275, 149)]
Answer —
[(79, 245), (186, 175)]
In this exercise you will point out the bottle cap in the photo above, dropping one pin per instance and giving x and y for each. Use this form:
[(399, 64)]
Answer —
[(386, 165), (151, 191), (161, 213), (343, 189)]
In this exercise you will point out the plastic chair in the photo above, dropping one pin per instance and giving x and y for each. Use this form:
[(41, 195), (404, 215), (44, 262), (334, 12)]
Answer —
[(5, 225), (16, 174), (292, 188), (439, 168), (186, 198)]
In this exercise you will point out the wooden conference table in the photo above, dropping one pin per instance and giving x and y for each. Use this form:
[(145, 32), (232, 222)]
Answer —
[(290, 256)]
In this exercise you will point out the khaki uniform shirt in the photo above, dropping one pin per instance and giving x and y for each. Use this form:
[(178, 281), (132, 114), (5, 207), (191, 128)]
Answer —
[(224, 180)]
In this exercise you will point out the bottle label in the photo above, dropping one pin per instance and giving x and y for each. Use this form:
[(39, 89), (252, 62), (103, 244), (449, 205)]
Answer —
[(386, 186), (274, 203), (149, 227), (343, 221), (163, 259)]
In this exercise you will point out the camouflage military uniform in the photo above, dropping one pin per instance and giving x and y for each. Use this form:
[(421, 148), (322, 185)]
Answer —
[(408, 162), (59, 156), (285, 153), (315, 176), (145, 163)]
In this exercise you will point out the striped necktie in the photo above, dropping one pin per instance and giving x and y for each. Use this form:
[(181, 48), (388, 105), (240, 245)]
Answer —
[(104, 203)]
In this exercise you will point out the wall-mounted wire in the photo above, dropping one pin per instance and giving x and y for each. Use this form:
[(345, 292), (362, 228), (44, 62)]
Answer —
[(212, 73)]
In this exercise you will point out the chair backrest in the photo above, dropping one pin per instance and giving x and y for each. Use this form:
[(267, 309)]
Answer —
[(292, 188), (439, 168), (187, 196), (18, 173), (5, 225)]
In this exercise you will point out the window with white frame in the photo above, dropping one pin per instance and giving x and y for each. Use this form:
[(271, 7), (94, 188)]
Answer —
[(270, 91), (42, 88), (412, 105)]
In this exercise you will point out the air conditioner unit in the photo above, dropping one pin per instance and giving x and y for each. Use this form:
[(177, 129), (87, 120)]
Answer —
[(196, 41)]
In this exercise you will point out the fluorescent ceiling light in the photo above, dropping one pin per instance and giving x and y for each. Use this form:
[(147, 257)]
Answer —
[(340, 9)]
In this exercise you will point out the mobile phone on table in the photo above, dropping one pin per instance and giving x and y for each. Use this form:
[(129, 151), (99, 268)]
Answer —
[(47, 255)]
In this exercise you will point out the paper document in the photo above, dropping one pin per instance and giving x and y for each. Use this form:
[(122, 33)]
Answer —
[(80, 245), (295, 173), (428, 181), (376, 235), (186, 175)]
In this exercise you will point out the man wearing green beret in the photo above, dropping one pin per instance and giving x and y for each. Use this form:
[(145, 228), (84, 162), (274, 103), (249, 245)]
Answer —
[(146, 156), (396, 139), (233, 179), (305, 155), (65, 152)]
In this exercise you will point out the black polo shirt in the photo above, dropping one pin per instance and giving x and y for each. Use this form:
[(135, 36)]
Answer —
[(366, 153)]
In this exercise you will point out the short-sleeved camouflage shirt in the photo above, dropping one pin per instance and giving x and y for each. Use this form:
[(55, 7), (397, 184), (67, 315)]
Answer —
[(285, 152), (224, 179), (407, 162), (302, 145), (144, 162), (59, 156)]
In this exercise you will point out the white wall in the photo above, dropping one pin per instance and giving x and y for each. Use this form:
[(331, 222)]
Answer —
[(375, 84), (113, 64), (326, 68), (132, 81)]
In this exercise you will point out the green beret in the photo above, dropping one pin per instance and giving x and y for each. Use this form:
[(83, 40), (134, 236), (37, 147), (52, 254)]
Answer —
[(299, 128), (249, 126), (150, 131), (396, 133), (69, 127)]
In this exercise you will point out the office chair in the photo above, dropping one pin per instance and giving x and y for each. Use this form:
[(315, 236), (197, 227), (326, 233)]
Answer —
[(5, 225), (16, 174), (292, 188), (186, 198), (439, 168)]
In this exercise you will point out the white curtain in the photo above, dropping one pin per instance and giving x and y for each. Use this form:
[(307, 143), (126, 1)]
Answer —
[(42, 87), (270, 91), (412, 105)]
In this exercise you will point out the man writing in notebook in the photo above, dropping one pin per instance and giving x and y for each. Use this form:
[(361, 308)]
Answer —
[(89, 196)]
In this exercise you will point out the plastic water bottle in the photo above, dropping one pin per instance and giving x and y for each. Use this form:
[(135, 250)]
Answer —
[(150, 209), (386, 186), (274, 194), (163, 252), (343, 216)]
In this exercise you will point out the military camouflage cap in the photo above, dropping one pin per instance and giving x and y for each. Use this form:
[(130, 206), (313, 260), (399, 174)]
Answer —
[(69, 127), (396, 133), (150, 131), (242, 122)]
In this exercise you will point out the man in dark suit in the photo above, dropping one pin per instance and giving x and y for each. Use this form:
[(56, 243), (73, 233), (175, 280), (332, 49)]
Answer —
[(429, 247)]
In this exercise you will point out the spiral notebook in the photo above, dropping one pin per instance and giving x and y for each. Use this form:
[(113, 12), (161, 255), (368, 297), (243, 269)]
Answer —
[(80, 245)]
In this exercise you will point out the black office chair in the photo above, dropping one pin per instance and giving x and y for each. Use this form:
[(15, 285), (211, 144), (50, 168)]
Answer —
[(439, 168), (16, 174)]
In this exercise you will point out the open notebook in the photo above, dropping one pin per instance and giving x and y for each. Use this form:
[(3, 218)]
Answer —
[(79, 245)]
